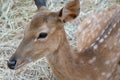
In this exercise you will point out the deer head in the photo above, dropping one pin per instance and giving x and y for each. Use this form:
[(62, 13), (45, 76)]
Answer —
[(43, 34)]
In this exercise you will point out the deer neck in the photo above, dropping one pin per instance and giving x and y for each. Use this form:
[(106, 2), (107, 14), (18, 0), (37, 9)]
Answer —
[(63, 53), (61, 59), (64, 61)]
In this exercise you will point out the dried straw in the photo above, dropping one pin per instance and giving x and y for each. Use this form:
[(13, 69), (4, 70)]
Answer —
[(15, 14)]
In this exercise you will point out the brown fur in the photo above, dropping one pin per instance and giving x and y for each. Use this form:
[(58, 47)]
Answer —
[(86, 64), (69, 65)]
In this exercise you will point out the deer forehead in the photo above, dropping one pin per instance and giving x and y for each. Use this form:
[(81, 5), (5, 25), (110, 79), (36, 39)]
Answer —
[(44, 20), (46, 28)]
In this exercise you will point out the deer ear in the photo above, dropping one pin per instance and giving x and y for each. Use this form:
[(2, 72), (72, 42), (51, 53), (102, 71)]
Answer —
[(70, 11)]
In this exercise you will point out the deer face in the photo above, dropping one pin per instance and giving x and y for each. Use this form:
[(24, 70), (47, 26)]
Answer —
[(42, 36)]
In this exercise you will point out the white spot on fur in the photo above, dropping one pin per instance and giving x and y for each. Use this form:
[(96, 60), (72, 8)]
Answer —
[(107, 62), (95, 46), (92, 44), (115, 43), (98, 38), (118, 21), (110, 48), (110, 31), (105, 21), (114, 25), (93, 16), (92, 60), (88, 21), (101, 40), (80, 28), (95, 68), (103, 32), (108, 75), (105, 46), (105, 36), (111, 15), (35, 40), (52, 30), (103, 73), (100, 13)]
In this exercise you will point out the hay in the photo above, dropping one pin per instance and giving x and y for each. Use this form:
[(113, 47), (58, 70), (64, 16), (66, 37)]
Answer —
[(14, 15)]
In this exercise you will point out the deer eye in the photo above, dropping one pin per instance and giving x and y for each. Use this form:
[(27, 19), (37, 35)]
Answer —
[(42, 35)]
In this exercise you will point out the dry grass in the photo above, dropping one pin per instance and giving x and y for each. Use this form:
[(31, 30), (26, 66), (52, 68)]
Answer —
[(14, 15)]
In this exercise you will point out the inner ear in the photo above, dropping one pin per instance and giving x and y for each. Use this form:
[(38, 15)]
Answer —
[(70, 17), (70, 11), (60, 13)]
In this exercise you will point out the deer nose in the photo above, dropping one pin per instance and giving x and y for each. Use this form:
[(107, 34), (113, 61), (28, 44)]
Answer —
[(11, 64)]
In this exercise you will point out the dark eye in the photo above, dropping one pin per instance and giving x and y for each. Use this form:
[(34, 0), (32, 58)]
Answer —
[(42, 35)]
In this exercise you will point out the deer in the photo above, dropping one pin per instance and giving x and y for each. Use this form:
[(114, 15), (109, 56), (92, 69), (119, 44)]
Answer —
[(98, 43)]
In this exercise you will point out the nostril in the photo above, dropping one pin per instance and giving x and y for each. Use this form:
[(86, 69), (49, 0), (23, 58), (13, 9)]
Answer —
[(11, 64)]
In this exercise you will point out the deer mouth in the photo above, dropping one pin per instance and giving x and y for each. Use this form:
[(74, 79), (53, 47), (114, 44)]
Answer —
[(18, 66), (23, 63)]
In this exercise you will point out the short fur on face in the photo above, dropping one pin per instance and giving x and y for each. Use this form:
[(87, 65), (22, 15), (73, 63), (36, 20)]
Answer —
[(44, 22)]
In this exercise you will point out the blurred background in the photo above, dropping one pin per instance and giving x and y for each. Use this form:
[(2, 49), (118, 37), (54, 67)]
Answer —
[(14, 16)]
